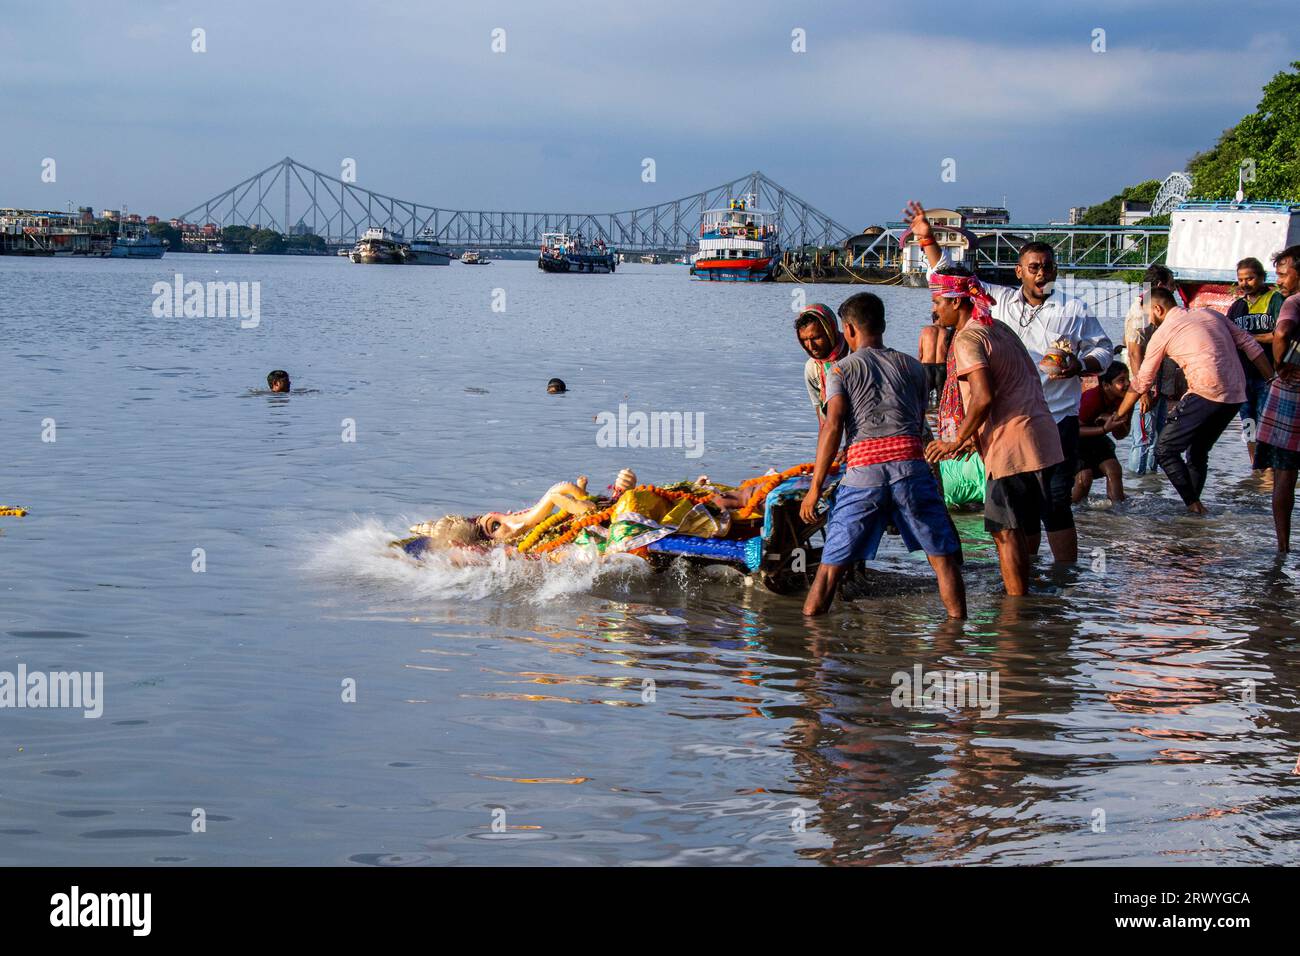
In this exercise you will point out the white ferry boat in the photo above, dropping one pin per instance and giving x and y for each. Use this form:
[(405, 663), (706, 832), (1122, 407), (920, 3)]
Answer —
[(737, 244)]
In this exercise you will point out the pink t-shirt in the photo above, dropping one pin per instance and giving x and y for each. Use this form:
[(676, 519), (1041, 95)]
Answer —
[(1204, 343), (1019, 433)]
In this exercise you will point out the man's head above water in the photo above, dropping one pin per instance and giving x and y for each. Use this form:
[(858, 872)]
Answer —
[(278, 381)]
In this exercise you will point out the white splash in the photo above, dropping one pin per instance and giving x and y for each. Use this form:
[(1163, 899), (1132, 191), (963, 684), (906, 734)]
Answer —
[(360, 557)]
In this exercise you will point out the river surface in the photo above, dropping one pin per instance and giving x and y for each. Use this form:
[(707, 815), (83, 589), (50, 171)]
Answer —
[(573, 714)]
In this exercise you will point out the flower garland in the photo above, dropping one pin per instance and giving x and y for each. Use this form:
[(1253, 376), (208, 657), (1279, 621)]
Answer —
[(765, 485), (596, 517), (532, 537), (599, 517), (14, 512)]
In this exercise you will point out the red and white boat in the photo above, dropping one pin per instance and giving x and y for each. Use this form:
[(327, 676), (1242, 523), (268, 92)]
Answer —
[(737, 244), (1208, 239)]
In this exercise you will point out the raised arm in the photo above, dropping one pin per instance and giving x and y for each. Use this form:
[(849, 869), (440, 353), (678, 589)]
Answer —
[(914, 214)]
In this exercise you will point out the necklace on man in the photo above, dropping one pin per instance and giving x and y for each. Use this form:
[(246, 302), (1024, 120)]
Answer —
[(1026, 323)]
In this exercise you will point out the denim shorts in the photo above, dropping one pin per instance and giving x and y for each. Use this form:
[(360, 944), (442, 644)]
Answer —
[(902, 493)]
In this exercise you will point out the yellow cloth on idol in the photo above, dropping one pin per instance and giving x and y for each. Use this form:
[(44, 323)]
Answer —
[(645, 504)]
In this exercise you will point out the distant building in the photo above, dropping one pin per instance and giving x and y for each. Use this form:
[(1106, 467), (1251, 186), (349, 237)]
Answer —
[(984, 215), (867, 248), (1131, 211), (1076, 213)]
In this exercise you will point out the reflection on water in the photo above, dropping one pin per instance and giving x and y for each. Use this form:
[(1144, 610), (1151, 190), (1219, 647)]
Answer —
[(581, 713)]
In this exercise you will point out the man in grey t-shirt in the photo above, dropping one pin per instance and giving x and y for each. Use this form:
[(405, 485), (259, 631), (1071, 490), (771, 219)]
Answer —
[(887, 392), (877, 396)]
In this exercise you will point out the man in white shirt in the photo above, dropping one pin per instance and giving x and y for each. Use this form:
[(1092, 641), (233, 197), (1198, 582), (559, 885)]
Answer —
[(1041, 318)]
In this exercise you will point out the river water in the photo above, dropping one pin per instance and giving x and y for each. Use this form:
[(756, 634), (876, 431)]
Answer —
[(218, 553)]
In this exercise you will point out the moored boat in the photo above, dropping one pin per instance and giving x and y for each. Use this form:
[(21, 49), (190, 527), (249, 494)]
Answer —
[(136, 242), (562, 252), (378, 246), (425, 250), (1208, 239), (737, 244), (472, 258)]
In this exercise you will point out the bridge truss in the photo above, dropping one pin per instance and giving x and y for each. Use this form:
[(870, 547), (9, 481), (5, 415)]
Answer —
[(1077, 248), (290, 197), (1083, 248)]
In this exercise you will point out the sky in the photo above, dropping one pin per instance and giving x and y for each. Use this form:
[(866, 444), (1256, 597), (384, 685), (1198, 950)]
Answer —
[(858, 123)]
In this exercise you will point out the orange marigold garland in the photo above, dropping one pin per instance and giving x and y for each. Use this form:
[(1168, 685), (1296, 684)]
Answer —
[(599, 517), (535, 535), (765, 485)]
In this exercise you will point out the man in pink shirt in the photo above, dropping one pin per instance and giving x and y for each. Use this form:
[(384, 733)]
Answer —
[(1204, 344)]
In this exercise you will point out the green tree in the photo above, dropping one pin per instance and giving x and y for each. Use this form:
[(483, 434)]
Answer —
[(1107, 213), (310, 244), (1270, 137), (236, 238), (266, 242), (169, 235)]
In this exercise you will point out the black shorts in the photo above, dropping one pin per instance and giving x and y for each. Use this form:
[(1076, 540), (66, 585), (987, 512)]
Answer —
[(1019, 501), (1281, 459), (936, 374), (1093, 451), (1058, 514)]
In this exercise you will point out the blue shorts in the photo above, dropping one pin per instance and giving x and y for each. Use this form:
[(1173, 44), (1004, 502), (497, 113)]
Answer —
[(902, 492)]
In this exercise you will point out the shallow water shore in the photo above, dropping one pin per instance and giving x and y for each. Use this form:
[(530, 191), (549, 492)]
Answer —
[(522, 713)]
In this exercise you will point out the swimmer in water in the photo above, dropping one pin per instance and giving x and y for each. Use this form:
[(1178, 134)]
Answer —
[(556, 386), (278, 381)]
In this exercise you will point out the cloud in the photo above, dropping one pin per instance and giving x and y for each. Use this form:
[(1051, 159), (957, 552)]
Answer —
[(564, 117)]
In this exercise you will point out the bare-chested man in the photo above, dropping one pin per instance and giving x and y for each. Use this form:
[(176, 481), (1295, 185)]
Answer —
[(932, 350)]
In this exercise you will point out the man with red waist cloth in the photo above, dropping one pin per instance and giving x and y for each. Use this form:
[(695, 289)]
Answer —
[(877, 397)]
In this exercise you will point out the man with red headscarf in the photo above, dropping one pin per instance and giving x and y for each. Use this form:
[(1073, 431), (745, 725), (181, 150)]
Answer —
[(994, 401), (1065, 340)]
